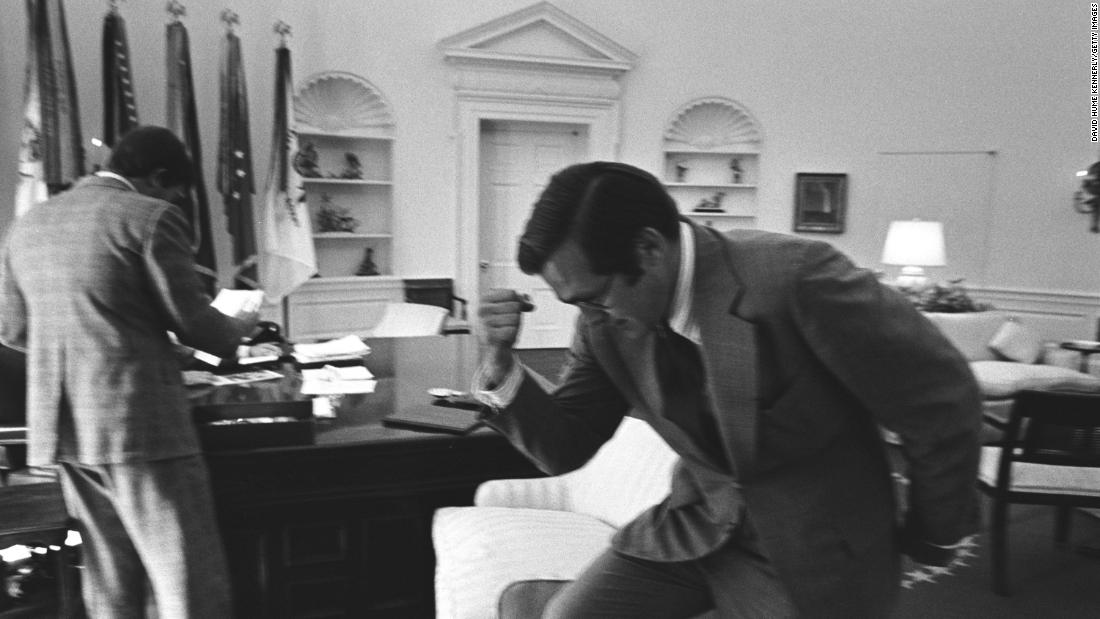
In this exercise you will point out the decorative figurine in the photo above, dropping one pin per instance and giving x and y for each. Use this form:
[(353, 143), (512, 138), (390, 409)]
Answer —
[(735, 171), (367, 266), (681, 172), (352, 167), (712, 204), (305, 161), (333, 218)]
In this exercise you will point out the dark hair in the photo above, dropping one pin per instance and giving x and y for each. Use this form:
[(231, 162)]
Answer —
[(145, 150), (604, 204)]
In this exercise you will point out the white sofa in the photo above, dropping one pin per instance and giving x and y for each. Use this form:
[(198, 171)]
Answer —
[(544, 529), (1007, 355)]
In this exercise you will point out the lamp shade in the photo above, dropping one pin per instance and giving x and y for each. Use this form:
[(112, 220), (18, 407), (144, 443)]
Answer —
[(914, 243)]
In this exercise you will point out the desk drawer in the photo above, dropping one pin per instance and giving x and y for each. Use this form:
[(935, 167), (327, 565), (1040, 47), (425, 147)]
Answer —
[(236, 426)]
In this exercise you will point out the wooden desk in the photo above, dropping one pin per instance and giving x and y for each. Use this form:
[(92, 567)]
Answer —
[(342, 527), (32, 513)]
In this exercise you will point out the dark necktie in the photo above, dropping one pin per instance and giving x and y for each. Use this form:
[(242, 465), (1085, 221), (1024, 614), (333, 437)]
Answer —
[(680, 377), (679, 370)]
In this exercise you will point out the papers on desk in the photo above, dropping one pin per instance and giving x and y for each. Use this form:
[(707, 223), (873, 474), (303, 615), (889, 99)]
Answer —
[(257, 359), (199, 377), (235, 302), (349, 347), (332, 374), (331, 380)]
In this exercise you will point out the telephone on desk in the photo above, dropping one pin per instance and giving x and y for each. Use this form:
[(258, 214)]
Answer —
[(265, 332)]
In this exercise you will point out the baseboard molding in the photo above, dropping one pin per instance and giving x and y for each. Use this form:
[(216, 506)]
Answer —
[(1057, 314)]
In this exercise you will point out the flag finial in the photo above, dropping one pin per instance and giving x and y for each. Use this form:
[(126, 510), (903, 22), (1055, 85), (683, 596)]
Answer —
[(176, 9), (231, 18), (283, 30)]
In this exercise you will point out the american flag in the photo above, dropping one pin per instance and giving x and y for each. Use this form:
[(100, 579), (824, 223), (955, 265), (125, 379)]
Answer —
[(51, 152)]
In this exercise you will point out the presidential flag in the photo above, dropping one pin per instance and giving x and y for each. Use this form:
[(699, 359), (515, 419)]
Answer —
[(51, 153), (235, 181), (119, 107), (288, 257), (182, 119)]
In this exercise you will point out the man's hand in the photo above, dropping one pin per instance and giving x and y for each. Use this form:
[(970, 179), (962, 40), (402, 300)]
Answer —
[(250, 317), (500, 315), (262, 350)]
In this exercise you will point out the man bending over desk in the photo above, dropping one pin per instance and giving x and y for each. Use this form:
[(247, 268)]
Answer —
[(92, 281)]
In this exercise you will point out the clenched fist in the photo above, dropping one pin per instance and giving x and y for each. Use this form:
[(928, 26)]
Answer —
[(500, 315)]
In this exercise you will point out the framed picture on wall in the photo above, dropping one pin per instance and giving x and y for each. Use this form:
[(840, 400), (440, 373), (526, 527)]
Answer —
[(820, 202)]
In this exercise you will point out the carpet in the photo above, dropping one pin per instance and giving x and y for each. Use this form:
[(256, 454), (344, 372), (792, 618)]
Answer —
[(1048, 581)]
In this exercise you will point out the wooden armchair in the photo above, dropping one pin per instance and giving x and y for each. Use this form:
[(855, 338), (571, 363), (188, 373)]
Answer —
[(440, 291), (1049, 455)]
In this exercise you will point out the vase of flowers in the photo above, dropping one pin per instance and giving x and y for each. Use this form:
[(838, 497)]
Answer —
[(947, 298)]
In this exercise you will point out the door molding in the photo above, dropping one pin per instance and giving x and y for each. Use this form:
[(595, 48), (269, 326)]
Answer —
[(537, 64)]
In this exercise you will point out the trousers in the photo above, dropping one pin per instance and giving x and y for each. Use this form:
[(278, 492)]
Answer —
[(148, 527), (735, 582)]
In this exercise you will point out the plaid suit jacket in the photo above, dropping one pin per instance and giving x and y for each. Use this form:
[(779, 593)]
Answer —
[(92, 281)]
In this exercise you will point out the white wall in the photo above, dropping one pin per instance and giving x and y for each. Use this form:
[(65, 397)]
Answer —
[(834, 83)]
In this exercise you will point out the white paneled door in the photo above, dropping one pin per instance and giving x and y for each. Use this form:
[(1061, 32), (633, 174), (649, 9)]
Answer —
[(517, 159)]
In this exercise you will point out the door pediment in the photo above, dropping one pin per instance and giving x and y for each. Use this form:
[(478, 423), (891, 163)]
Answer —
[(542, 36)]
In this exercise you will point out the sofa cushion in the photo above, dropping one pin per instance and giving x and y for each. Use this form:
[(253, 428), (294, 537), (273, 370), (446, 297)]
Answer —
[(480, 551), (970, 332), (1017, 342), (1002, 379)]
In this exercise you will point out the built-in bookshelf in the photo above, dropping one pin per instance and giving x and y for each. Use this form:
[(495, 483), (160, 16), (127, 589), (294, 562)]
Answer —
[(711, 162), (346, 153)]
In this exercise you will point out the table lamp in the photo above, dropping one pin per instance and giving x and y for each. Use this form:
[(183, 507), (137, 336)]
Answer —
[(913, 245)]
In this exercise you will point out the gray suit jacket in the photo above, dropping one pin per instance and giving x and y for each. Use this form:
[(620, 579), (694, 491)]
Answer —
[(91, 282), (805, 355)]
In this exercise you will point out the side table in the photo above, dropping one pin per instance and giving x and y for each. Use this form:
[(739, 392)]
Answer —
[(1085, 348)]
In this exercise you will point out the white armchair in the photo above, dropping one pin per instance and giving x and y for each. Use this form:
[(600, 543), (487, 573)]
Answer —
[(545, 529)]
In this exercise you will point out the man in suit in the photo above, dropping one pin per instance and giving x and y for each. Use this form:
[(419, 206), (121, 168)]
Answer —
[(769, 363), (92, 282)]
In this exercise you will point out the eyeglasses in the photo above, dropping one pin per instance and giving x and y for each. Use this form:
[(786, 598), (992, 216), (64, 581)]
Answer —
[(598, 301)]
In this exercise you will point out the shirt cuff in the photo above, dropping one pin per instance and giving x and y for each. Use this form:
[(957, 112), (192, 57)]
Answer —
[(503, 395)]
